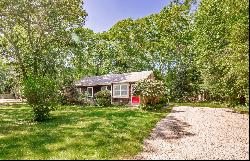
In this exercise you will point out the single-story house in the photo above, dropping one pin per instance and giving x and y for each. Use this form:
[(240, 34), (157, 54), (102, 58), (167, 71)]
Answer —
[(120, 85)]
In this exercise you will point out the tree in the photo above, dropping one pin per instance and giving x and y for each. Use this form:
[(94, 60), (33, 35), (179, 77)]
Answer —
[(6, 83), (160, 42), (222, 45), (127, 57), (35, 38)]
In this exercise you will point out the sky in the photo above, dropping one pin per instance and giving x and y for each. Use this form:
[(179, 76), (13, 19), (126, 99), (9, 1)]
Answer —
[(103, 14)]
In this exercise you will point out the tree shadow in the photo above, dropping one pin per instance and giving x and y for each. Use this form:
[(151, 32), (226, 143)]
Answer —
[(172, 128), (176, 111)]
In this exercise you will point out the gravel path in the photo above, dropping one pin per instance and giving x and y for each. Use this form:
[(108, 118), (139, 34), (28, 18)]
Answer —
[(199, 133), (10, 101)]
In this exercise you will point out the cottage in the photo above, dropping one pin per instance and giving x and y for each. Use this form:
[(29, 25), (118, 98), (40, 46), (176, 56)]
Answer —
[(120, 85)]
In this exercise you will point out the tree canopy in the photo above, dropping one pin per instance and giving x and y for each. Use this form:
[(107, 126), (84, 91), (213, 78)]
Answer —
[(193, 52), (35, 36), (202, 51)]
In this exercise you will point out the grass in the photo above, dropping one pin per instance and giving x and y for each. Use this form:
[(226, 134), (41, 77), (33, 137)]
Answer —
[(239, 109), (75, 133)]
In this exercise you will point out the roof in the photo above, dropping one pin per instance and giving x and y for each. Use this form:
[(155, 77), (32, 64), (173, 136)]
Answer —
[(113, 78)]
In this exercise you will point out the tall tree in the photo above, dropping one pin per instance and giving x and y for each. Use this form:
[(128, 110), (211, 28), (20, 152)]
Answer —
[(160, 42), (222, 45), (35, 36), (93, 53)]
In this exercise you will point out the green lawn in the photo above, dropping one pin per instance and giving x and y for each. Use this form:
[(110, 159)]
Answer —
[(75, 133)]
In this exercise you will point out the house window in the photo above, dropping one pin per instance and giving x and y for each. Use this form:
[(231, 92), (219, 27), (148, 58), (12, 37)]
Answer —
[(81, 90), (120, 90), (90, 91), (104, 88)]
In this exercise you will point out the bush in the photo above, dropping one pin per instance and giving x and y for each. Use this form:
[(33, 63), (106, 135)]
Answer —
[(69, 95), (41, 93), (103, 98), (157, 106), (83, 99), (150, 107), (152, 93)]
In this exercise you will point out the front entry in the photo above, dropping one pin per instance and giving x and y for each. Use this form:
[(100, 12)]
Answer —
[(135, 100)]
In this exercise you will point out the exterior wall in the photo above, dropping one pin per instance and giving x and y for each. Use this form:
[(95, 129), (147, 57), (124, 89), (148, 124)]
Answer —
[(122, 101), (127, 100), (95, 89)]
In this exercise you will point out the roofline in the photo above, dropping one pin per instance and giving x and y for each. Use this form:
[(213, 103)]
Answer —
[(103, 84), (93, 85)]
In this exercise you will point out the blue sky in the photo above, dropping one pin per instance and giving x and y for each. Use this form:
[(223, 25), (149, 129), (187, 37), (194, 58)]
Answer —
[(103, 14)]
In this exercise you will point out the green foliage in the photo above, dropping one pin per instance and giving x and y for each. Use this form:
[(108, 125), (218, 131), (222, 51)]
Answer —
[(42, 96), (92, 53), (35, 37), (9, 80), (204, 51), (69, 95), (153, 107), (222, 45), (185, 83), (83, 99), (103, 98), (199, 52), (5, 81), (159, 42), (152, 93)]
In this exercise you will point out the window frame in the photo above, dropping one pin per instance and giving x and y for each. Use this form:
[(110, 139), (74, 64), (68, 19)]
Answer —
[(120, 90), (91, 93)]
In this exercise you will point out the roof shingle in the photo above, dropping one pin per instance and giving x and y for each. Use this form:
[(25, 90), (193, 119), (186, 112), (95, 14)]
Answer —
[(113, 78)]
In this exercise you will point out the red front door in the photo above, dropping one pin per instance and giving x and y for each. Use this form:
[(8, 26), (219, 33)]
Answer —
[(135, 100)]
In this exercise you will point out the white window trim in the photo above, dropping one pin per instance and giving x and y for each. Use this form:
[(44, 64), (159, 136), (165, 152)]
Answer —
[(120, 96), (91, 92)]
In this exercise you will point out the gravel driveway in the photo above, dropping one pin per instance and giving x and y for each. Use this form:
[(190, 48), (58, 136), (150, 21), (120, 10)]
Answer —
[(199, 133), (10, 101)]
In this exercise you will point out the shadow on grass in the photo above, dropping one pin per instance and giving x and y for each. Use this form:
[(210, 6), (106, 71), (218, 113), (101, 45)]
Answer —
[(74, 133)]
